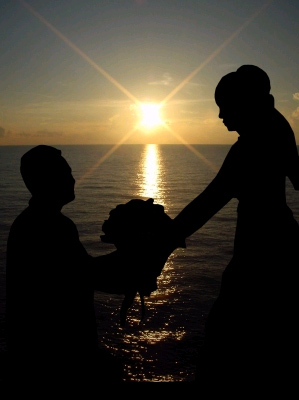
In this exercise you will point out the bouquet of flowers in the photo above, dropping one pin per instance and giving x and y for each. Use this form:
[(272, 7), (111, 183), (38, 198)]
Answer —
[(143, 234)]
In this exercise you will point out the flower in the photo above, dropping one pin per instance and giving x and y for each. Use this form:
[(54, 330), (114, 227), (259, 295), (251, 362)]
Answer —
[(143, 233)]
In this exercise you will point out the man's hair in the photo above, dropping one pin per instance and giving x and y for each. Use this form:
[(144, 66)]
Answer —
[(39, 164), (248, 82), (254, 79)]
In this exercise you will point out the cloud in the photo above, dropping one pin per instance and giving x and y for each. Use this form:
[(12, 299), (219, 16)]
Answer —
[(165, 81), (295, 114), (192, 101), (189, 112), (114, 118), (45, 133), (2, 132)]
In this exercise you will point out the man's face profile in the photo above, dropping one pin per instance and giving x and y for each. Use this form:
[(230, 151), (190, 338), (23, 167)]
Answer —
[(48, 176), (63, 182)]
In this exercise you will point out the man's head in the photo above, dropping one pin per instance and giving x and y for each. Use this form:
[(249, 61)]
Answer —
[(47, 175)]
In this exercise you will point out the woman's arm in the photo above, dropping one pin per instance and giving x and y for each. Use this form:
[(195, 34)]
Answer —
[(202, 208), (216, 195)]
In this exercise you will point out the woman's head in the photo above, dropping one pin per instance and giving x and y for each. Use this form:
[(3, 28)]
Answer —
[(242, 96)]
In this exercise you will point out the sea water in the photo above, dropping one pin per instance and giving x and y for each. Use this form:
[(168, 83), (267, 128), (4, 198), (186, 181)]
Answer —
[(163, 347)]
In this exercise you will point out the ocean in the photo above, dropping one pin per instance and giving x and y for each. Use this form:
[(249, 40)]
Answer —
[(163, 347)]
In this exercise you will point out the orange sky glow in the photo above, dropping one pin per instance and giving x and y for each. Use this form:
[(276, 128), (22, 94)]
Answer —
[(86, 76)]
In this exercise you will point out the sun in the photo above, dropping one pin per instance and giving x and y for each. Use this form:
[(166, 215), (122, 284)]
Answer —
[(150, 115)]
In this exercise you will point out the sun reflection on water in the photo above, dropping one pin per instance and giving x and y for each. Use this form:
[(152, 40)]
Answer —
[(156, 335), (143, 343), (150, 176)]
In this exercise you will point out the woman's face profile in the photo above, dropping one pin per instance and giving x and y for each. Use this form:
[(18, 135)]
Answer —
[(230, 101), (242, 98), (233, 114)]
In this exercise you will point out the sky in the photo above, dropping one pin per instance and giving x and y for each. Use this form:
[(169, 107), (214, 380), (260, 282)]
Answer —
[(84, 72)]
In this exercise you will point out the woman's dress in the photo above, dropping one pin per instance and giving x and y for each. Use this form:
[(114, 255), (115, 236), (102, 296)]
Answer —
[(252, 326)]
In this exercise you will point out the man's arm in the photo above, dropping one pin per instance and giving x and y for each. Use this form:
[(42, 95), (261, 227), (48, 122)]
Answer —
[(110, 272)]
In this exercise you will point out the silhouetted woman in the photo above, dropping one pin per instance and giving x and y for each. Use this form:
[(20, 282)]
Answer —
[(251, 330)]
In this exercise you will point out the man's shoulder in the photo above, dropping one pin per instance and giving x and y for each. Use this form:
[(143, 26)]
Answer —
[(31, 220), (21, 218), (67, 222)]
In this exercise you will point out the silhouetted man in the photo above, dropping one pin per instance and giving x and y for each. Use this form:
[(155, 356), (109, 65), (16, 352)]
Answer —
[(51, 326)]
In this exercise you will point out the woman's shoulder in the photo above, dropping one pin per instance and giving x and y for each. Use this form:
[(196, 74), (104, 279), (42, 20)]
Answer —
[(233, 152)]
